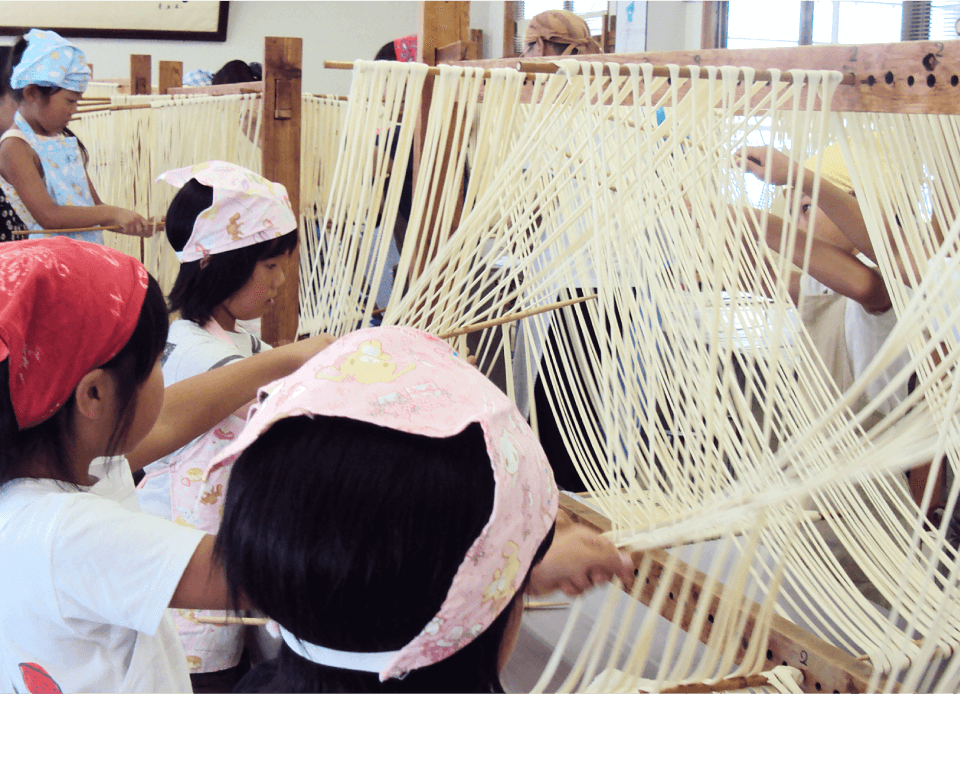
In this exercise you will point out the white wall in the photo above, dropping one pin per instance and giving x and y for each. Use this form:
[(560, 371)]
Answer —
[(343, 31), (673, 25)]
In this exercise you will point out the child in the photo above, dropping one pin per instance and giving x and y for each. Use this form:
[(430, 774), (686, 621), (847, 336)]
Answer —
[(230, 229), (10, 223), (407, 575), (41, 161), (85, 578)]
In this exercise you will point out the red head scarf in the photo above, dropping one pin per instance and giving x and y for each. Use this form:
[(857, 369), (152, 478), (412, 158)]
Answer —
[(406, 48), (66, 307)]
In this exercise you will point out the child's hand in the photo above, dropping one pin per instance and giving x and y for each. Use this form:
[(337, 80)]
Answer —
[(578, 560), (132, 224), (760, 158)]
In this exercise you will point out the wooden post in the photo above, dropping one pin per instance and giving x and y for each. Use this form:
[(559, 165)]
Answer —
[(509, 30), (140, 74), (441, 24), (282, 74), (171, 76)]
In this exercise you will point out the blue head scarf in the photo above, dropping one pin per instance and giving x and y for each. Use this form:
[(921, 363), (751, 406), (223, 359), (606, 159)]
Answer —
[(51, 61)]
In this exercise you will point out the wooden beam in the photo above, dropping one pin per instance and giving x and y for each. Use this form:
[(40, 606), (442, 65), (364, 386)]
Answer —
[(171, 76), (282, 76), (912, 77), (140, 74), (826, 669)]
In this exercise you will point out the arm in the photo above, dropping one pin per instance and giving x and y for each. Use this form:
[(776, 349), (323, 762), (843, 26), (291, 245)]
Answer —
[(18, 165), (195, 405), (841, 207), (203, 584), (578, 560), (840, 271)]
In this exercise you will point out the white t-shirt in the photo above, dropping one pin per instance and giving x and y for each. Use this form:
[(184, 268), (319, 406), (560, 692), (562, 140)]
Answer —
[(863, 334), (84, 588)]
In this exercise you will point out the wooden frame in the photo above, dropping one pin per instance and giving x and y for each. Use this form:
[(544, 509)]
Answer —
[(921, 77), (170, 21)]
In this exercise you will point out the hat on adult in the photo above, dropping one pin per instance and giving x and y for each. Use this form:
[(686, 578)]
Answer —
[(563, 28)]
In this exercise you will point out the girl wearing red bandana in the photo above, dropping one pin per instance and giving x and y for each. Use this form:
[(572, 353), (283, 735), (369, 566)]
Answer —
[(86, 578)]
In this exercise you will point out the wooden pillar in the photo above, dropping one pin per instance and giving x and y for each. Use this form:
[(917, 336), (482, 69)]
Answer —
[(171, 76), (509, 30), (282, 75), (441, 24), (140, 74)]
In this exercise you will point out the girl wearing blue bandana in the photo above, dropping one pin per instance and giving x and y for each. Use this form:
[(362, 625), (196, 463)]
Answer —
[(42, 163)]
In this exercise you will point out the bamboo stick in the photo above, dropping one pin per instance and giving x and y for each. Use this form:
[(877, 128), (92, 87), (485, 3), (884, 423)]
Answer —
[(513, 317), (659, 71), (229, 620), (130, 107), (729, 684), (158, 224)]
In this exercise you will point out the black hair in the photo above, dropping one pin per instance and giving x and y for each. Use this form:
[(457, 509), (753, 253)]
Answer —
[(355, 558), (198, 291), (387, 52), (235, 72), (131, 367), (13, 59)]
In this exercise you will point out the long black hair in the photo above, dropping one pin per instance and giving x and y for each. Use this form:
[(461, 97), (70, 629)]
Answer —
[(349, 536), (131, 367), (199, 290)]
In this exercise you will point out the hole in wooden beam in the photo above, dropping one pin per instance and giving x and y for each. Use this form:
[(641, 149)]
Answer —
[(930, 61), (931, 80), (954, 80), (910, 81), (888, 77), (871, 80), (769, 655)]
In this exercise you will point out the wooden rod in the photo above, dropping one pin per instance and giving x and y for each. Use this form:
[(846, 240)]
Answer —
[(340, 65), (728, 684), (94, 109), (157, 225), (228, 620), (662, 71), (513, 317)]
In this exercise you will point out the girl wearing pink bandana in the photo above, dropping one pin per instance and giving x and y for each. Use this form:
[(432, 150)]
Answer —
[(230, 228), (388, 507), (86, 578), (42, 164)]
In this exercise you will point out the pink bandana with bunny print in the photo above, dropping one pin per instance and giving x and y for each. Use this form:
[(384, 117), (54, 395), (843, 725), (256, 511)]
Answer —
[(410, 381), (246, 210)]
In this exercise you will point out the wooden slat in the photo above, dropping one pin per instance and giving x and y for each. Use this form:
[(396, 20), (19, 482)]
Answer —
[(171, 76), (826, 669), (282, 76), (140, 74)]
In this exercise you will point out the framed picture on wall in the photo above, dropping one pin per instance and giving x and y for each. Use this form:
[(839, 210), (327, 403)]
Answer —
[(176, 20)]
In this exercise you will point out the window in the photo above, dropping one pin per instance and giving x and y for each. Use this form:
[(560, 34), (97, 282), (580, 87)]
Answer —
[(749, 23)]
